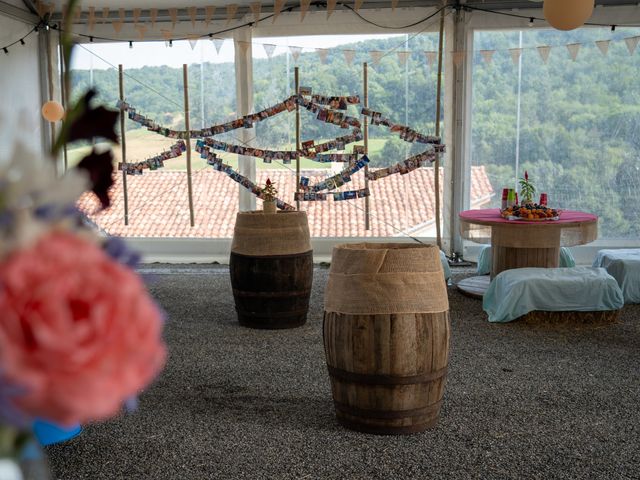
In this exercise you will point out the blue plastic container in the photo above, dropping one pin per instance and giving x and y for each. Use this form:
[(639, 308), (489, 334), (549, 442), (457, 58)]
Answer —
[(49, 433)]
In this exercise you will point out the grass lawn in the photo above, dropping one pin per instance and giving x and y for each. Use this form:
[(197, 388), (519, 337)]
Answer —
[(142, 144)]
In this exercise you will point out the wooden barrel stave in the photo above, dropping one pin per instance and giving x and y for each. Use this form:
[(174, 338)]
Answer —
[(271, 292), (399, 349)]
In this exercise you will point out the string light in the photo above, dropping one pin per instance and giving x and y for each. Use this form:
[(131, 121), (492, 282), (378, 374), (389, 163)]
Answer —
[(531, 22), (91, 39), (130, 44), (613, 28), (22, 41), (6, 50)]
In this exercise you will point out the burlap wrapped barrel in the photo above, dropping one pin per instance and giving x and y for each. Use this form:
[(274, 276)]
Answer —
[(271, 268), (386, 336)]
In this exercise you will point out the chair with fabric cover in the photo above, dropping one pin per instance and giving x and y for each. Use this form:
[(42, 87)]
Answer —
[(624, 266), (515, 293)]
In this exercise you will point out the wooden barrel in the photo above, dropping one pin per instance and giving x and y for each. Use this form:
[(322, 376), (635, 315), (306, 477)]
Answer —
[(271, 269), (386, 336)]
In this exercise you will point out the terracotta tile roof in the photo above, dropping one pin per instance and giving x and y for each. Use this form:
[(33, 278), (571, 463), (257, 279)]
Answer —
[(158, 205)]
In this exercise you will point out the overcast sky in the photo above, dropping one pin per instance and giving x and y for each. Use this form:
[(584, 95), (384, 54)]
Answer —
[(106, 55)]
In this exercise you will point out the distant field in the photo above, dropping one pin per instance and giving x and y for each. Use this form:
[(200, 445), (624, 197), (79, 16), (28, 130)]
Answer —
[(142, 144)]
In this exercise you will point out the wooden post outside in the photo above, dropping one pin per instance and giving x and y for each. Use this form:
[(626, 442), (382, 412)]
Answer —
[(297, 87), (123, 145), (187, 127), (436, 164), (365, 100), (63, 97)]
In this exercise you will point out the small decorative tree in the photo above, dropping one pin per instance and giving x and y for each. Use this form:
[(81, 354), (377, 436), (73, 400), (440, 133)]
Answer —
[(269, 193), (527, 190)]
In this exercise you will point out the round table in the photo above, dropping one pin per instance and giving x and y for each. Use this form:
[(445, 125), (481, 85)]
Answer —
[(521, 243)]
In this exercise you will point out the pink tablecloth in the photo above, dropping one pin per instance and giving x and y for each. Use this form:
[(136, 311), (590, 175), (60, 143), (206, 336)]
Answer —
[(492, 215), (573, 228)]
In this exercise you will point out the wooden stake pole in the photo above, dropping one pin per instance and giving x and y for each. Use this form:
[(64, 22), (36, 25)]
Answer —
[(436, 164), (63, 96), (123, 145), (50, 85), (297, 87), (365, 79), (187, 127)]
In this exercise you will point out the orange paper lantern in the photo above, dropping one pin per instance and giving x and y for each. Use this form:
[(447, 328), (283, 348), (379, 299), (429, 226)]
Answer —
[(52, 111), (567, 14)]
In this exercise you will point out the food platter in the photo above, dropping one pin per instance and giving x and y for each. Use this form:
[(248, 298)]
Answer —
[(520, 219)]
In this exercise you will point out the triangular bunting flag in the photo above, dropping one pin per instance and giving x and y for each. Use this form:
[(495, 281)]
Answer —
[(603, 46), (92, 18), (487, 55), (256, 9), (218, 42), (304, 7), (431, 58), (331, 6), (193, 13), (544, 51), (153, 15), (632, 44), (394, 4), (574, 49), (105, 14), (295, 52), (208, 13), (136, 15), (357, 4), (349, 55), (269, 49), (243, 46), (117, 25), (403, 57), (376, 56), (322, 54), (516, 53), (41, 8), (458, 58), (173, 13), (142, 29), (193, 40), (232, 9), (277, 8)]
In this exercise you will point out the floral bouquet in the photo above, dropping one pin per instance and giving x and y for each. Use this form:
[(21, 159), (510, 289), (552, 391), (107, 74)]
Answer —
[(79, 334)]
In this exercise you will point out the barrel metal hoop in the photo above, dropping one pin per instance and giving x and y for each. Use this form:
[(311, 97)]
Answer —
[(387, 429), (282, 293), (291, 313), (270, 257), (381, 379), (387, 414)]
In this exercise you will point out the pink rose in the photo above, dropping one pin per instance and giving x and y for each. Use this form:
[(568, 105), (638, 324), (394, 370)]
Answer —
[(77, 330)]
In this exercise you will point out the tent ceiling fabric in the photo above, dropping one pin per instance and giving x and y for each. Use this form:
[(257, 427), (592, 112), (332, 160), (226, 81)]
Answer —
[(367, 4)]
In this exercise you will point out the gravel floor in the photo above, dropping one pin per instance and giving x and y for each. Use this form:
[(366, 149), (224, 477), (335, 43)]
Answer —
[(235, 403)]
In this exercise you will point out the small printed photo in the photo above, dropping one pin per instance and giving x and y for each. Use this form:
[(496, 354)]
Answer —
[(353, 99), (330, 183), (304, 90), (344, 125), (346, 178), (322, 115), (394, 168), (258, 153), (321, 196), (338, 180), (308, 144), (247, 122), (267, 158), (342, 103), (366, 112), (339, 146), (359, 149), (329, 116), (349, 195), (403, 170), (338, 196)]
